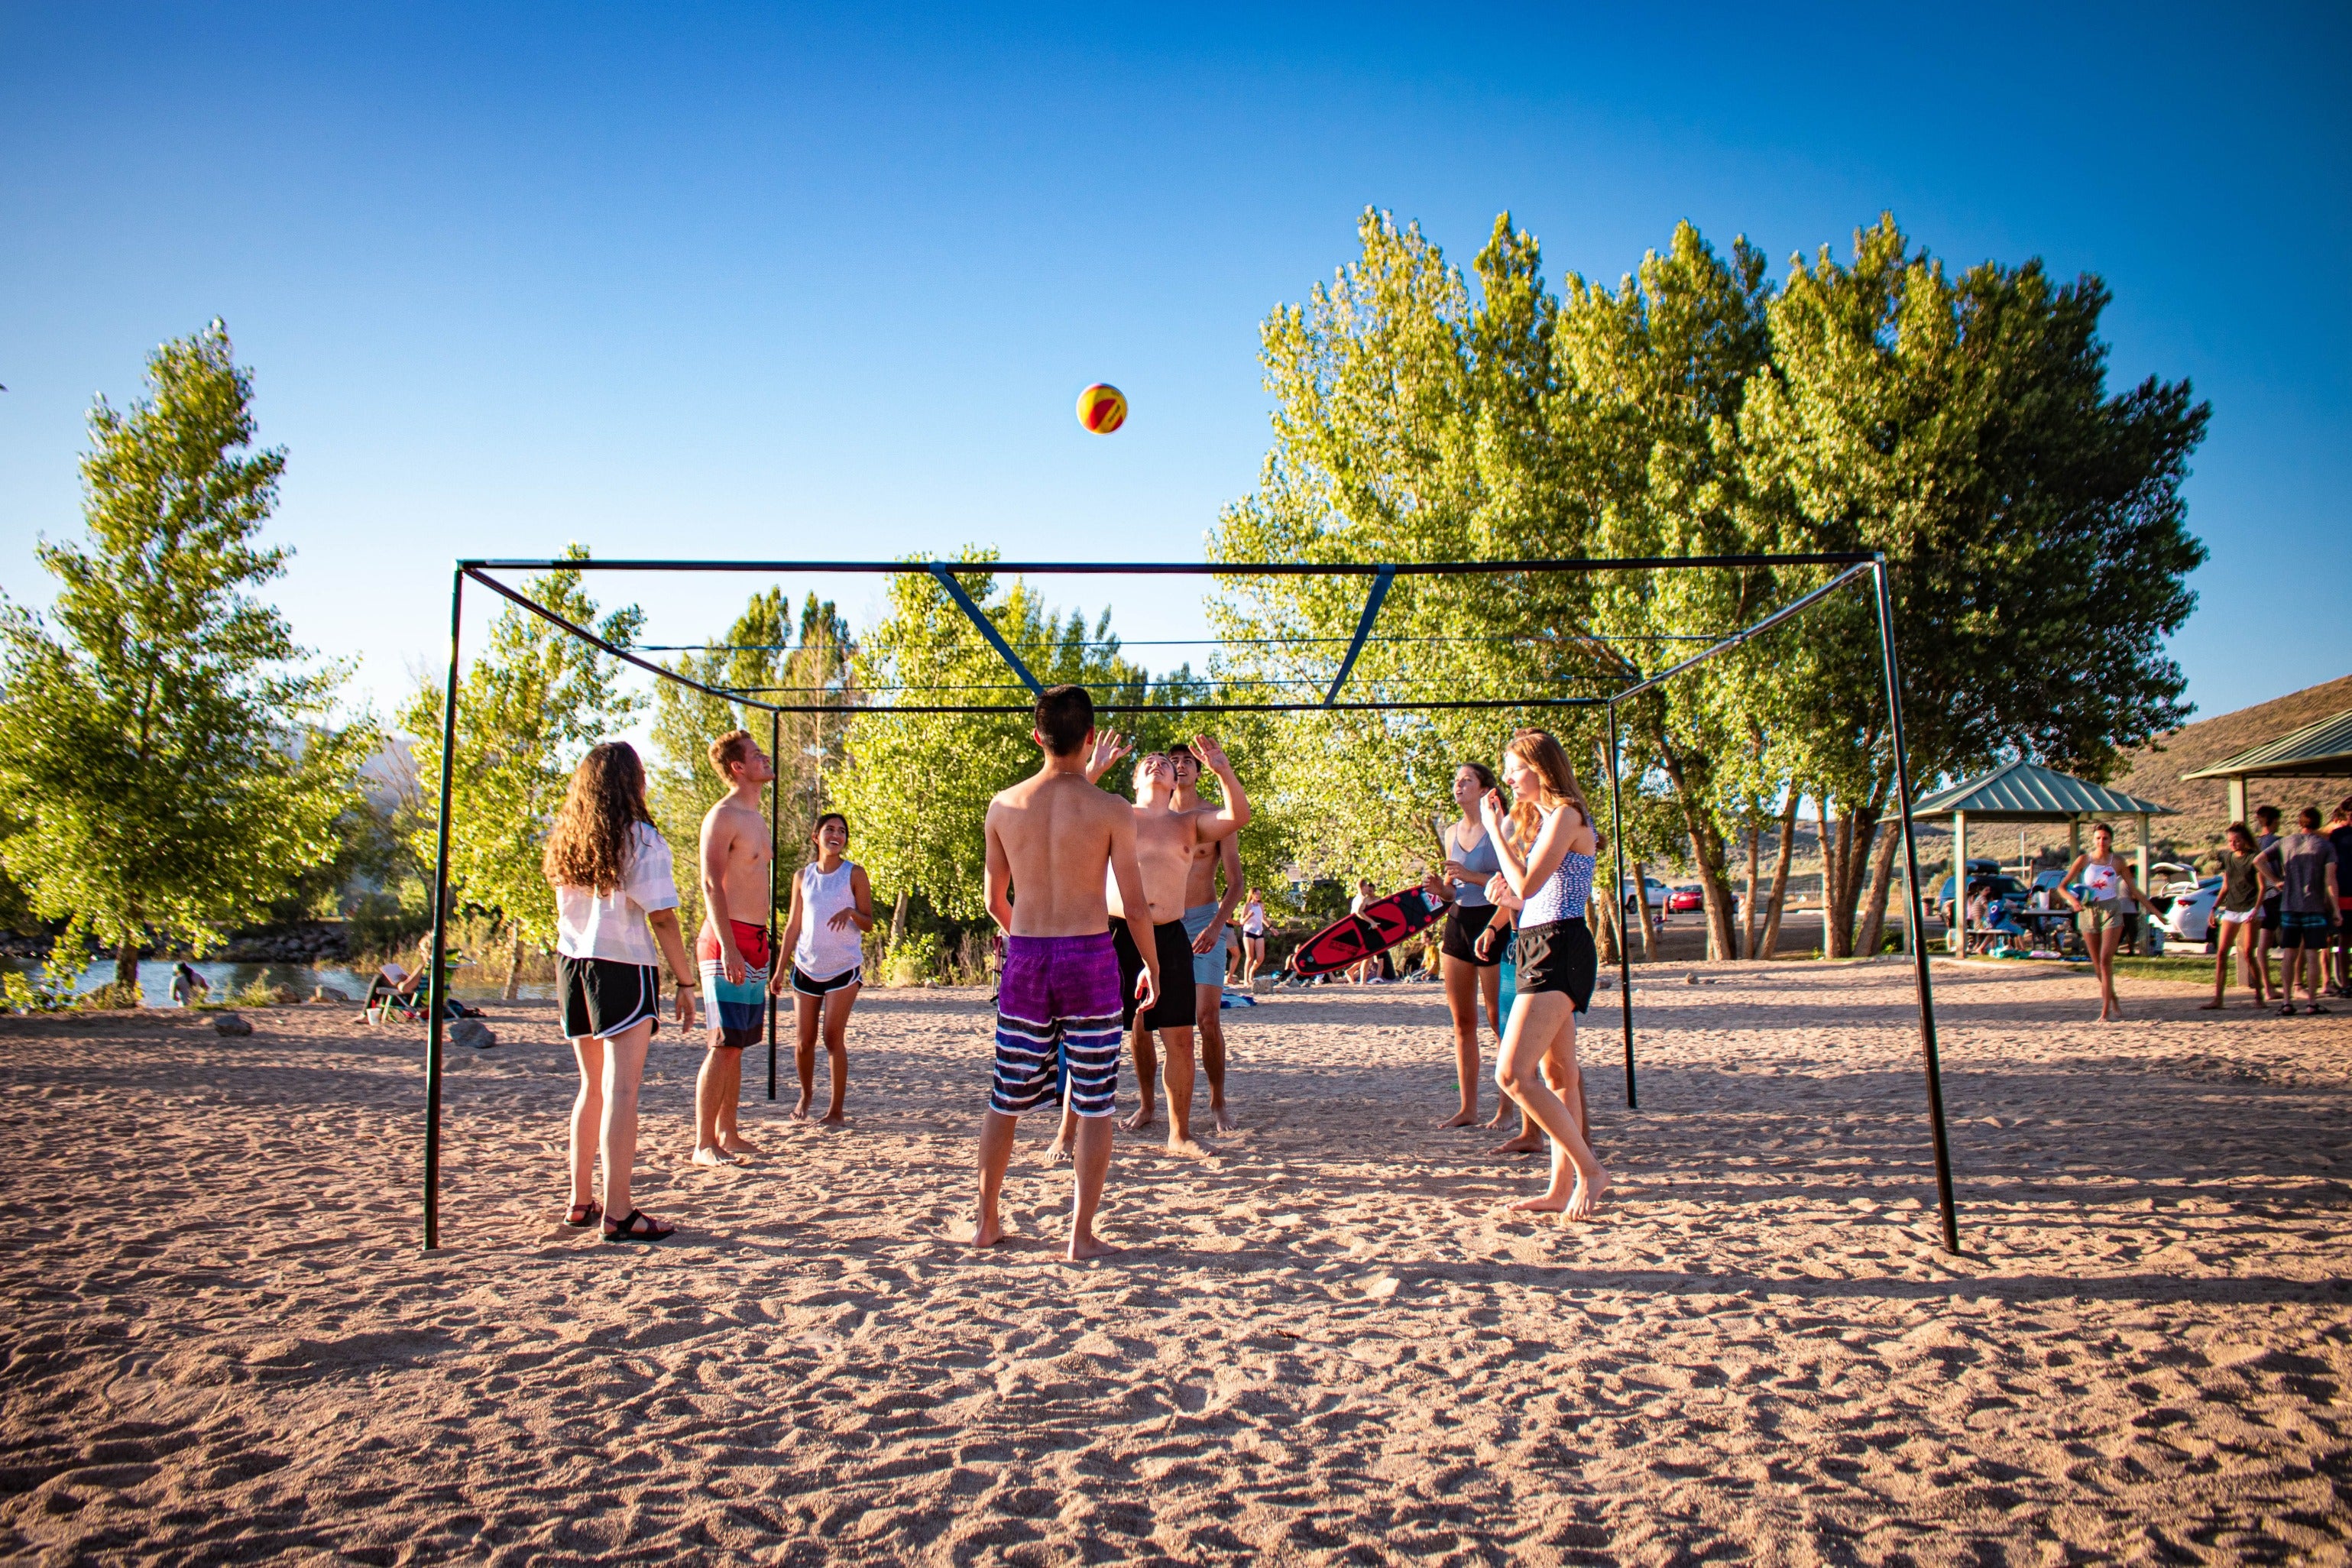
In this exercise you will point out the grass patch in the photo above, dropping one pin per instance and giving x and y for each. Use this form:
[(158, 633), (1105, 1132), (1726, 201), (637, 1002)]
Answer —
[(2199, 968)]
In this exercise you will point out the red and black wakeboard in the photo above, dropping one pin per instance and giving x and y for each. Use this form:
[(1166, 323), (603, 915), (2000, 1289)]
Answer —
[(1384, 923)]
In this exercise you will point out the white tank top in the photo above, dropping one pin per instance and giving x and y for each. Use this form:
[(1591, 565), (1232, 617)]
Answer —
[(822, 952)]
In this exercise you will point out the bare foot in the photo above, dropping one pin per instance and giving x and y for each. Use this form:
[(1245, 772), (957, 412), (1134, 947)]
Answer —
[(1525, 1143), (1460, 1118), (988, 1232), (1084, 1247), (1586, 1200), (1057, 1152), (1224, 1119), (1502, 1114), (711, 1154), (2213, 1006), (1542, 1203), (800, 1112), (833, 1118), (735, 1143), (1139, 1121), (1186, 1148)]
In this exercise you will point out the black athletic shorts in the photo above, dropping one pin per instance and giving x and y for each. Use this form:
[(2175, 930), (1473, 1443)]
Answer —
[(2271, 908), (603, 996), (1464, 925), (1557, 956), (808, 985), (1175, 1010)]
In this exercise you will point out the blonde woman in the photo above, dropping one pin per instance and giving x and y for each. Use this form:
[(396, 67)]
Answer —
[(1557, 962), (617, 923)]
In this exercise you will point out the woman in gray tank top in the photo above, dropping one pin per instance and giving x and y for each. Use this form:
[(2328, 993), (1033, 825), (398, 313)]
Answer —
[(1471, 953)]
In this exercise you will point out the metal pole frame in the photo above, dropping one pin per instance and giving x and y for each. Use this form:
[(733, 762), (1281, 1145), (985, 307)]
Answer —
[(436, 986), (1617, 909), (1885, 604), (775, 827), (1854, 562)]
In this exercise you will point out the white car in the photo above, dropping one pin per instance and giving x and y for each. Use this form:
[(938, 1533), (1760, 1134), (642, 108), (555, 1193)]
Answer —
[(1653, 890), (2191, 917)]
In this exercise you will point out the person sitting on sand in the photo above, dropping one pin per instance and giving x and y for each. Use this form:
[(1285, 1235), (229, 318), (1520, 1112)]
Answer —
[(1557, 962), (616, 921), (833, 909), (1054, 840)]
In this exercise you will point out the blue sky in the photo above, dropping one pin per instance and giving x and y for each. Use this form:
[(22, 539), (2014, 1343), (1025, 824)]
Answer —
[(755, 281)]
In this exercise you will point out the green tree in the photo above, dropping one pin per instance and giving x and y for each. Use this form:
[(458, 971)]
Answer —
[(167, 748), (2033, 521), (916, 785), (759, 657), (528, 709)]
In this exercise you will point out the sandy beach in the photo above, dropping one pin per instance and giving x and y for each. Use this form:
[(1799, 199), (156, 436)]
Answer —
[(1327, 1342)]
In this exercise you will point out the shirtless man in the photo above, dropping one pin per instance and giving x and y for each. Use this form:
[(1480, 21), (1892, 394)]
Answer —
[(731, 950), (1055, 839), (1208, 919), (1166, 842)]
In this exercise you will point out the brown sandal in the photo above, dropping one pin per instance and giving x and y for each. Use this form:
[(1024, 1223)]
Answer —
[(582, 1215), (627, 1230)]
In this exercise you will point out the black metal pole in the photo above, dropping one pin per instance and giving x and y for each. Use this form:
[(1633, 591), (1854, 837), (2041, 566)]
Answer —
[(1911, 880), (776, 960), (437, 985), (1617, 910)]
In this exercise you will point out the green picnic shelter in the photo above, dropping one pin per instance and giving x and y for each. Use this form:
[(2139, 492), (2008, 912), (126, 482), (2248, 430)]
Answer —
[(2027, 792), (2318, 750)]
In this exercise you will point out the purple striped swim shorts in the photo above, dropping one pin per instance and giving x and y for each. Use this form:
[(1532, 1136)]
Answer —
[(1058, 1025)]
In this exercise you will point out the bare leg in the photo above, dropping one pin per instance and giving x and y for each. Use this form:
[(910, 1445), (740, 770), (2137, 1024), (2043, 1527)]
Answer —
[(1530, 1139), (2220, 971), (2102, 958), (1536, 1023), (1462, 1005), (625, 1066), (806, 1011), (1058, 1151), (996, 1130), (2249, 968), (1176, 1077), (587, 1114), (709, 1085), (1092, 1145), (730, 1099), (1147, 1067), (1208, 1006), (837, 1005)]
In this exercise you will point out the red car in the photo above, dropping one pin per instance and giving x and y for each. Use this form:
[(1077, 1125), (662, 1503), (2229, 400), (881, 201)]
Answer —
[(1682, 901)]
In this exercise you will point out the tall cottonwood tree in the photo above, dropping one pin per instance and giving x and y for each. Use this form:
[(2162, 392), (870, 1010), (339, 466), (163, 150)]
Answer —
[(166, 747), (2033, 521), (916, 786), (529, 707)]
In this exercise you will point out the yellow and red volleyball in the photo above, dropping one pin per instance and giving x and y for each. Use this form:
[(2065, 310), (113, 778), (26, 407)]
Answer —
[(1102, 408)]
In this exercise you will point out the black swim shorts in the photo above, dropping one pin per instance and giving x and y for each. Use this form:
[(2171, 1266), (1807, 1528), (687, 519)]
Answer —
[(1175, 1010), (603, 996), (1464, 925), (1557, 956)]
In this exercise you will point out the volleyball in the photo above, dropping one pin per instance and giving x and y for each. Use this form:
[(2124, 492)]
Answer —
[(1102, 408)]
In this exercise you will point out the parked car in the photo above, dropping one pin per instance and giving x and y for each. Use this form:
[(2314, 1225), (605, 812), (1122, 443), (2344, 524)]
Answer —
[(2008, 887), (1688, 896), (2190, 919), (1653, 890)]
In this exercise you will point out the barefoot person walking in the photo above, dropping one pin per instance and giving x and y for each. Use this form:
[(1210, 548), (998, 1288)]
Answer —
[(732, 950), (1053, 841), (833, 909), (2237, 914), (1556, 960), (2108, 896), (615, 920), (1253, 936), (1470, 953)]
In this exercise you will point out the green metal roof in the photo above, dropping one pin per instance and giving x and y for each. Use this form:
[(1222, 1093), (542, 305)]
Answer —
[(2323, 747), (2024, 791)]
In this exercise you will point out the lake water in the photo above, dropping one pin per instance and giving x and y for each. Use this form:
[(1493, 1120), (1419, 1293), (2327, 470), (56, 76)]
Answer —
[(228, 979)]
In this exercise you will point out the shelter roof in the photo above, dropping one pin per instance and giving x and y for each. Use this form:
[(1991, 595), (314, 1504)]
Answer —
[(2325, 746), (2026, 792)]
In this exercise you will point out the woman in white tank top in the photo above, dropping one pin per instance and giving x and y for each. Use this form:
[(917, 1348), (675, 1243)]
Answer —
[(833, 909)]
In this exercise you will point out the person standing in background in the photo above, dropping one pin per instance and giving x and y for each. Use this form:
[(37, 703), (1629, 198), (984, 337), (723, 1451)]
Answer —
[(2309, 901), (2339, 838), (2266, 826)]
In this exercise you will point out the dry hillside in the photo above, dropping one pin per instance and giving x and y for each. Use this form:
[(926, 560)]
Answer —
[(2153, 771)]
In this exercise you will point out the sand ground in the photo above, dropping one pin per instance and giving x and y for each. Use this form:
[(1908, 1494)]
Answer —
[(1326, 1343)]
